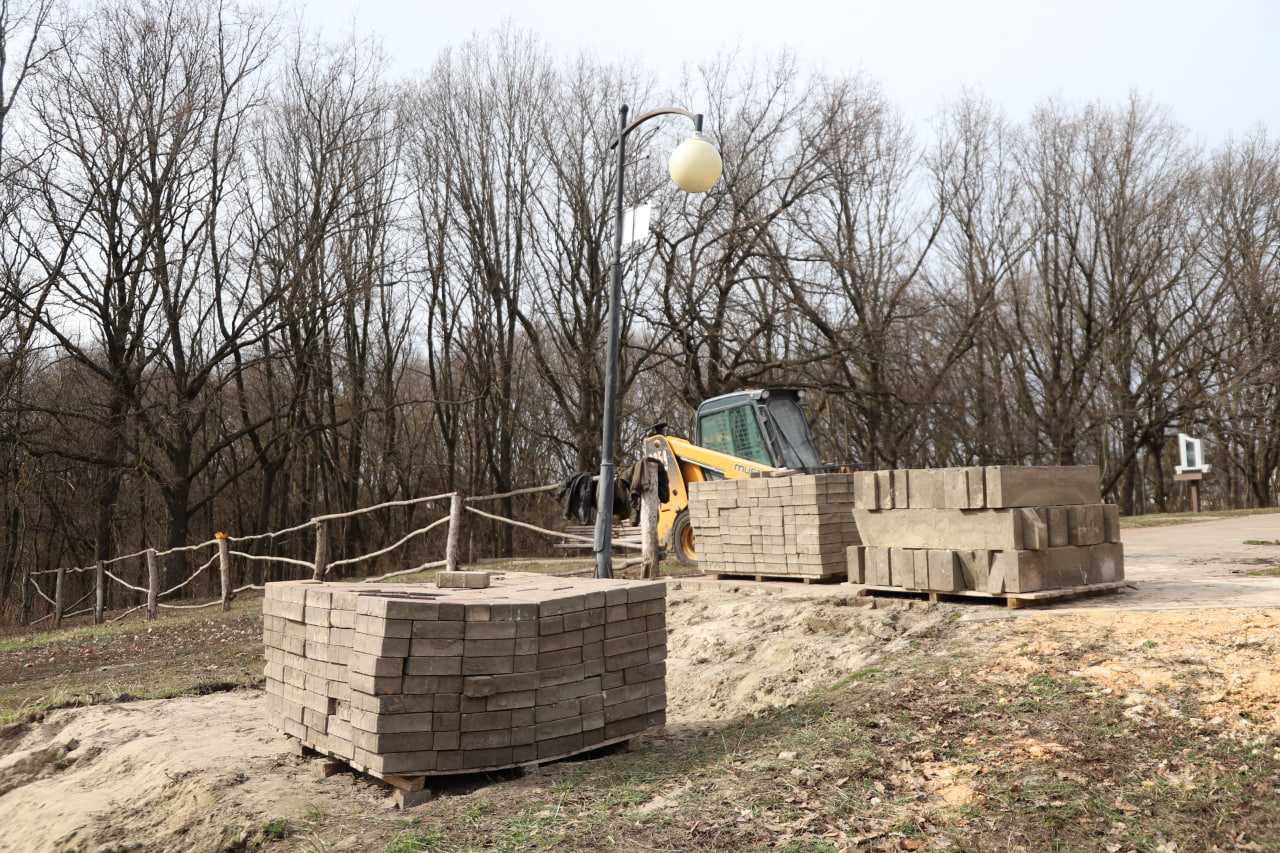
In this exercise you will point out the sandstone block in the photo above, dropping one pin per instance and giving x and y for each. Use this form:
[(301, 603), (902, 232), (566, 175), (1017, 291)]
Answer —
[(1087, 524), (1011, 485), (944, 571), (1017, 571), (462, 580)]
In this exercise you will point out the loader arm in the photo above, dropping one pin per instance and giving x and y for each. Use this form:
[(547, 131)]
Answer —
[(687, 463)]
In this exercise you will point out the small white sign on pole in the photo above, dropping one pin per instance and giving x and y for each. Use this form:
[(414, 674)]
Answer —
[(635, 223), (1190, 454)]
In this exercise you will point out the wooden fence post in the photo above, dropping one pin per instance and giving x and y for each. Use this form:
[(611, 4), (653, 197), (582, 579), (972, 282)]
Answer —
[(58, 586), (153, 584), (649, 517), (24, 614), (224, 568), (455, 530), (99, 592), (322, 551)]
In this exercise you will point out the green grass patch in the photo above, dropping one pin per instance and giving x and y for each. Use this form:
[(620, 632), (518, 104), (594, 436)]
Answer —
[(1265, 572), (1162, 519), (276, 829), (41, 635), (191, 653)]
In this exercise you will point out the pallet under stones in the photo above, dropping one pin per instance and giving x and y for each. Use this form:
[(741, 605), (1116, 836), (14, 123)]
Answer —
[(1012, 600), (806, 579), (413, 789)]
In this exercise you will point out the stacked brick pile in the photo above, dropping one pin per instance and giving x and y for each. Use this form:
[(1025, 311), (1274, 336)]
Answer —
[(414, 680), (994, 529), (790, 526)]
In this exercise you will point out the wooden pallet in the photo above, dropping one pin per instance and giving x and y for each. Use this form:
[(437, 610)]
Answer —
[(1012, 600), (822, 579), (411, 789)]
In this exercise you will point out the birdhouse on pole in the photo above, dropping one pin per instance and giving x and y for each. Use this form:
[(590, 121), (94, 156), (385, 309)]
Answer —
[(1191, 468)]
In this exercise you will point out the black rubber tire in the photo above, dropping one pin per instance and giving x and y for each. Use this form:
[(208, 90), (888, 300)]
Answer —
[(681, 534)]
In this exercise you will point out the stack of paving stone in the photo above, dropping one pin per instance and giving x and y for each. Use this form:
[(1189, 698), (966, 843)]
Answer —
[(994, 529), (412, 680), (785, 526)]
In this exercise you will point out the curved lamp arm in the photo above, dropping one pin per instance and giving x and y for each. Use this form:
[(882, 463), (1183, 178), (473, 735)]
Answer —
[(696, 118), (602, 541)]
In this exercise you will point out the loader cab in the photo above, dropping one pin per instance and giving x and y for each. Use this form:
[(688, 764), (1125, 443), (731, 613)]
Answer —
[(765, 426)]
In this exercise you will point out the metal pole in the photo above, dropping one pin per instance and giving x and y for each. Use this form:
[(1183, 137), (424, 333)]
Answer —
[(609, 429)]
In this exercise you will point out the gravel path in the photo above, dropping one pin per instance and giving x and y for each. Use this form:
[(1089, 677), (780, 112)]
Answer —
[(1197, 565)]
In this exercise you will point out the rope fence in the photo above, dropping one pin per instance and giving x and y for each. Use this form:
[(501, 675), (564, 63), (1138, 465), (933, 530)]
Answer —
[(319, 566)]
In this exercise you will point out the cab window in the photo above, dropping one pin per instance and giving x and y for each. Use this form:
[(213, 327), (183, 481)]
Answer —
[(735, 431)]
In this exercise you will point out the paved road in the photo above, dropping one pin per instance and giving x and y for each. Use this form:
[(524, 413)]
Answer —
[(1200, 564)]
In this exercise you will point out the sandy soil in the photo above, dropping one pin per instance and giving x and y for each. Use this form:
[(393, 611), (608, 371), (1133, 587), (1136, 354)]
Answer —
[(204, 772), (172, 774), (731, 654), (1222, 663)]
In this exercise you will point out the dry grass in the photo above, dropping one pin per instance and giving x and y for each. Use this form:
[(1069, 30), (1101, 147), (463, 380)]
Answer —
[(939, 747), (923, 753), (181, 653), (935, 748)]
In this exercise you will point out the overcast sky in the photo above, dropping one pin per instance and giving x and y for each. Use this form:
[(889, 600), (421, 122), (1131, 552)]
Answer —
[(1215, 63)]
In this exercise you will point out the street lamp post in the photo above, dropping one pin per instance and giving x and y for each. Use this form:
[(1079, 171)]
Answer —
[(695, 167)]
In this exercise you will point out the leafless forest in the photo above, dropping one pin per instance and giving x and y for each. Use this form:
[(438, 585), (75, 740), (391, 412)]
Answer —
[(249, 276)]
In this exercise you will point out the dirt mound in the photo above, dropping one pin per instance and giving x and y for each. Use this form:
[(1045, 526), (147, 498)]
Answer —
[(206, 772), (730, 655), (195, 773)]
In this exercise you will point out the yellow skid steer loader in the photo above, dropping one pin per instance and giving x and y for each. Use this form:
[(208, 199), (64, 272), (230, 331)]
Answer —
[(734, 436)]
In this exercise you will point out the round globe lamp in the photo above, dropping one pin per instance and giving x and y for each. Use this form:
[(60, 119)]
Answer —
[(695, 165)]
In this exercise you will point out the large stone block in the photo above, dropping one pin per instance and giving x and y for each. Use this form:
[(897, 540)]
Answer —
[(991, 530), (856, 564), (1087, 525), (1111, 522), (884, 490), (955, 487), (902, 567), (1017, 571), (877, 566), (1107, 562), (1035, 527), (924, 488), (1011, 485), (921, 569), (1067, 567), (1059, 518), (866, 490), (975, 568), (944, 571)]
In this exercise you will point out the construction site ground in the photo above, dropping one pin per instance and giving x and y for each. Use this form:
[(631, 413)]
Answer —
[(801, 718)]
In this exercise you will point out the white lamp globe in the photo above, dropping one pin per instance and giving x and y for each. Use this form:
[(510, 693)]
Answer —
[(695, 165)]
